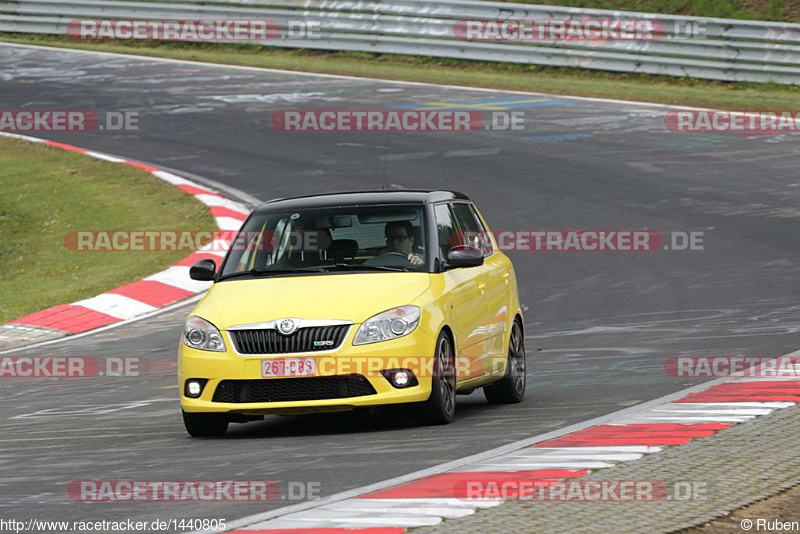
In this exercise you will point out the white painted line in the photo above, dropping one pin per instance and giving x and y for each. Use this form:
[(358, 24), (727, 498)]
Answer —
[(281, 524), (563, 464), (118, 306), (318, 515), (104, 157), (445, 501), (689, 419), (23, 137), (769, 379), (389, 506), (174, 179), (407, 156), (218, 247), (732, 404), (178, 276), (214, 200), (228, 224), (542, 460), (579, 455), (643, 449), (712, 411), (472, 152)]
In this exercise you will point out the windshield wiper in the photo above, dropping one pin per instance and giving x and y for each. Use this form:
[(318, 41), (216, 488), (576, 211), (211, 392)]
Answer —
[(357, 267), (267, 272)]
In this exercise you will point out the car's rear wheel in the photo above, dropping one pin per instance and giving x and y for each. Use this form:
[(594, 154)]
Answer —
[(511, 388), (440, 408), (205, 425)]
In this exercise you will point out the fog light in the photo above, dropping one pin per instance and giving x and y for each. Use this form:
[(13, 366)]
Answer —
[(400, 378), (194, 387)]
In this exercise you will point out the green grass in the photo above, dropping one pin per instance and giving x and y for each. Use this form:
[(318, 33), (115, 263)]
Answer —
[(777, 10), (45, 192), (512, 76)]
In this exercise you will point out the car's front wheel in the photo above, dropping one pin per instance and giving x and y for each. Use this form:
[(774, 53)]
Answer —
[(205, 425), (511, 388), (440, 408)]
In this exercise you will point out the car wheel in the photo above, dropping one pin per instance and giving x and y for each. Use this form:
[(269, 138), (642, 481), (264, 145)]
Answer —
[(440, 408), (511, 388), (205, 425)]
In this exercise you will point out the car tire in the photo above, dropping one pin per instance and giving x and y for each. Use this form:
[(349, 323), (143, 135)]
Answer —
[(440, 408), (511, 388), (205, 425)]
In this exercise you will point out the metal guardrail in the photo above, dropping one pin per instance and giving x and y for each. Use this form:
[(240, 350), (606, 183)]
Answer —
[(729, 50)]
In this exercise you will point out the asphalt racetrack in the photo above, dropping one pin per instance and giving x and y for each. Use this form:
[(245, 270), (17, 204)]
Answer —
[(599, 326)]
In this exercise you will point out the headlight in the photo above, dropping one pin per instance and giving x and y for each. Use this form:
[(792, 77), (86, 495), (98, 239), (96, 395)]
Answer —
[(200, 334), (387, 325)]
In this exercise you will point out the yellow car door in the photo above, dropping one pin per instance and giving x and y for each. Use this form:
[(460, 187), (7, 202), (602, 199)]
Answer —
[(466, 302), (498, 278)]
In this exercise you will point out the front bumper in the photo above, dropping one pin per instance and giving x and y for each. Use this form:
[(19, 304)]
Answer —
[(413, 352)]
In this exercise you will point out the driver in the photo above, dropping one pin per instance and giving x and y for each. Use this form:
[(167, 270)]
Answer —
[(399, 241)]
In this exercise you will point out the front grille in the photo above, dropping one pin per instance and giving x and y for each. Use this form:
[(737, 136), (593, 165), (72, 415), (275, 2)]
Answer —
[(272, 342), (293, 389)]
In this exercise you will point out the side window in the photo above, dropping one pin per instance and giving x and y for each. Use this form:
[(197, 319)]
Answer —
[(445, 227), (474, 232)]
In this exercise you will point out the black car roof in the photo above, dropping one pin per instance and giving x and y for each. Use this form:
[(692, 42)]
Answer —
[(353, 198)]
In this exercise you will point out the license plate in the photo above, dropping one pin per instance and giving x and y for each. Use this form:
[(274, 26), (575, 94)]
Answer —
[(289, 367)]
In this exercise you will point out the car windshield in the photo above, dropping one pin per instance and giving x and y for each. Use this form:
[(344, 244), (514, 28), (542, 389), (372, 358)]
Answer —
[(359, 238)]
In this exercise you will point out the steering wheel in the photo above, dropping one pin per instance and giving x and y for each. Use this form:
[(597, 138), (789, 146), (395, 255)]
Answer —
[(405, 256)]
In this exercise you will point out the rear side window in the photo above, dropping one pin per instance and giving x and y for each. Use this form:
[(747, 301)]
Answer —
[(474, 233)]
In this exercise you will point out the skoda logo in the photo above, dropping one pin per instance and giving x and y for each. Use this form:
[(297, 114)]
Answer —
[(287, 326)]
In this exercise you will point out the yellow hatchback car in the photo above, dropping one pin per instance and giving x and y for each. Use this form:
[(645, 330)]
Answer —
[(340, 301)]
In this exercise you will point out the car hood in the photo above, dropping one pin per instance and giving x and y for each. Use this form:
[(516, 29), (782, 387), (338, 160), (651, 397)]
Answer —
[(349, 297)]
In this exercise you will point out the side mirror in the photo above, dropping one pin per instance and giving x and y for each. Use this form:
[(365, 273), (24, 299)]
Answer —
[(203, 270), (464, 257)]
